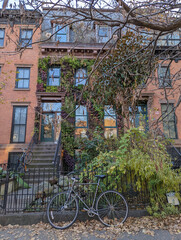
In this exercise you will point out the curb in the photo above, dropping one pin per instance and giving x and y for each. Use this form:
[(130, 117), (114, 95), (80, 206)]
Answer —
[(34, 218)]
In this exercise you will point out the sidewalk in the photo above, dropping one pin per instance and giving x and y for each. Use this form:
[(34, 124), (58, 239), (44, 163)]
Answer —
[(145, 228)]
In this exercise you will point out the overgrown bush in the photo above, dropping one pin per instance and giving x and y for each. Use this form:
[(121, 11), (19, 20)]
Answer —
[(147, 159)]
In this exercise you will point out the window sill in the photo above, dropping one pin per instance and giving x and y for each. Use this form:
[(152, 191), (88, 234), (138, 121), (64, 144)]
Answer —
[(1, 47), (21, 89), (25, 47)]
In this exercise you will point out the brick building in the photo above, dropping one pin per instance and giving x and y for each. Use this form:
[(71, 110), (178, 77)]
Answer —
[(48, 93), (18, 79)]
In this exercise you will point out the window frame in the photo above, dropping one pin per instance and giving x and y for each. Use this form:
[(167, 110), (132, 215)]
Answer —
[(13, 120), (3, 29), (18, 79), (108, 33), (77, 84), (19, 154), (29, 40), (57, 34), (87, 118), (108, 115), (48, 77), (137, 113), (167, 83), (166, 40), (168, 121)]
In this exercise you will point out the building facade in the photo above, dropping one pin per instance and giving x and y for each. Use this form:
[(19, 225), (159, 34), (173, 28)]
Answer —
[(43, 85), (18, 80)]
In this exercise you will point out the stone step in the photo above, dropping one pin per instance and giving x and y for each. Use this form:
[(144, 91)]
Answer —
[(38, 160), (40, 165)]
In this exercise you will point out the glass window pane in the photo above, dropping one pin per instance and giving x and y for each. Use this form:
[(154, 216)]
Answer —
[(1, 42), (169, 123), (54, 72), (108, 110), (26, 84), (103, 31), (29, 34), (81, 76), (61, 38), (81, 121), (17, 115), (22, 134), (1, 33), (81, 110), (61, 31), (23, 33), (48, 107), (23, 116), (16, 134), (20, 73), (26, 73), (20, 83), (54, 81), (109, 121), (172, 130)]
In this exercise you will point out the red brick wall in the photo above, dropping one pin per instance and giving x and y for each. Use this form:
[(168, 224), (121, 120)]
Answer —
[(9, 61)]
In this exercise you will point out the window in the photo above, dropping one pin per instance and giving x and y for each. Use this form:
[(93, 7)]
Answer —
[(51, 107), (13, 159), (80, 76), (19, 124), (26, 37), (22, 78), (81, 121), (61, 33), (110, 122), (54, 77), (2, 37), (139, 117), (169, 39), (169, 121), (103, 34), (164, 76)]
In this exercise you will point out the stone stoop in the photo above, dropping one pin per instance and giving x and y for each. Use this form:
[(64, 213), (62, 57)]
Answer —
[(42, 166)]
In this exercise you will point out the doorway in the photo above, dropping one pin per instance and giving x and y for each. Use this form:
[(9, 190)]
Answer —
[(51, 121)]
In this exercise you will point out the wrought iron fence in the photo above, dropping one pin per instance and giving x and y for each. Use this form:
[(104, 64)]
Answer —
[(30, 192)]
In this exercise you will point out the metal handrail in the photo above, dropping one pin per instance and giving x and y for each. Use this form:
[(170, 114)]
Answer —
[(56, 159), (32, 142), (170, 142)]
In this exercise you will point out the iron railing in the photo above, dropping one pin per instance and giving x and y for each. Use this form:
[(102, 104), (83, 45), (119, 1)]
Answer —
[(57, 155), (32, 191), (172, 150)]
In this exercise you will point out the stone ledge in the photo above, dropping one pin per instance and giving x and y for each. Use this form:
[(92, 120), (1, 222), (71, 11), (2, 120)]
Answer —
[(34, 218)]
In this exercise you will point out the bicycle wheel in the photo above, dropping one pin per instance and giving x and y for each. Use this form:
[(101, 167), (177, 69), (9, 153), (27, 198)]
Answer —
[(28, 157), (112, 208), (62, 210)]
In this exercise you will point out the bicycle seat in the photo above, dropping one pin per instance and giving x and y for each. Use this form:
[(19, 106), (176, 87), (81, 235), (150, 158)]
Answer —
[(100, 176), (75, 178)]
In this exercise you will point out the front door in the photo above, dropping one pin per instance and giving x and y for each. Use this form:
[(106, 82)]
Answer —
[(47, 131)]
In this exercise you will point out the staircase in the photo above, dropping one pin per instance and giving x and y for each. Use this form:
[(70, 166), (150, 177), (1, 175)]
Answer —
[(42, 166)]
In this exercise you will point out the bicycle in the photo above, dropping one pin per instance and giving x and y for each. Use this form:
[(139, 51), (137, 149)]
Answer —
[(24, 160), (110, 207)]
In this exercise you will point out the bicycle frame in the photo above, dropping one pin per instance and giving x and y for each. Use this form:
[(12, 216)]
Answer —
[(88, 209)]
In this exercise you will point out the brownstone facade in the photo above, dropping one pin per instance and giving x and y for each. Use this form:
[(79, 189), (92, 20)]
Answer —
[(19, 73)]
